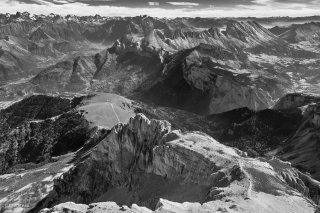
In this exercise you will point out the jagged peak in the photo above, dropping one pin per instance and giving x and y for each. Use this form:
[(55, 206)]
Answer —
[(38, 35), (144, 127), (243, 27), (301, 32), (131, 161)]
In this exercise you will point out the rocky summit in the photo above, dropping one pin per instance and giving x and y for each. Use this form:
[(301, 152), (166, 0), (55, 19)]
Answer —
[(144, 160), (144, 114)]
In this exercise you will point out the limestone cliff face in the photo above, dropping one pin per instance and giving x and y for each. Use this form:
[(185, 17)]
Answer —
[(124, 152), (143, 161), (206, 80), (302, 148), (123, 71), (39, 136)]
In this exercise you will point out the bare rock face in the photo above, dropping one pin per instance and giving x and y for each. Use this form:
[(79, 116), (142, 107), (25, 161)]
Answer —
[(127, 55), (111, 207), (296, 33), (34, 133), (206, 80), (71, 75), (143, 161), (131, 147), (41, 127), (291, 101), (184, 67), (22, 189), (38, 138), (90, 154), (252, 34), (38, 35), (39, 135), (11, 66), (205, 72), (174, 63), (302, 147)]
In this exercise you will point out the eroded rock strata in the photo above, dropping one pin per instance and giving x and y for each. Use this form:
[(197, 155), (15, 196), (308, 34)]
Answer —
[(143, 161)]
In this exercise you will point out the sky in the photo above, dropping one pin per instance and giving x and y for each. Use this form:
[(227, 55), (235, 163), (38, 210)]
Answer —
[(166, 8)]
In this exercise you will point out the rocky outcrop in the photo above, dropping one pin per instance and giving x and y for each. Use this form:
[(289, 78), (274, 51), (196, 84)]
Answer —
[(71, 75), (38, 35), (34, 133), (96, 207), (252, 34), (31, 44), (131, 147), (291, 101), (205, 80), (204, 66), (278, 30), (248, 34), (41, 127), (264, 130), (27, 184), (39, 136), (204, 70), (196, 71), (143, 161), (302, 32), (302, 148), (12, 66), (112, 74), (17, 28)]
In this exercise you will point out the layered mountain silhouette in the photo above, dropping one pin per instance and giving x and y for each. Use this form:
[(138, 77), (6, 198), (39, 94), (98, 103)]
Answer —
[(298, 32), (144, 114)]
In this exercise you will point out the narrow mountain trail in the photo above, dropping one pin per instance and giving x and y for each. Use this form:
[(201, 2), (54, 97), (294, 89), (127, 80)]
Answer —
[(115, 113)]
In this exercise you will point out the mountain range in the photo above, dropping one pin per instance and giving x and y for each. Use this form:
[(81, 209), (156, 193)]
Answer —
[(144, 114)]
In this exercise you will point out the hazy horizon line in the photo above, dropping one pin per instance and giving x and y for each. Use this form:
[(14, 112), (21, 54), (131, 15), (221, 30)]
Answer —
[(126, 16)]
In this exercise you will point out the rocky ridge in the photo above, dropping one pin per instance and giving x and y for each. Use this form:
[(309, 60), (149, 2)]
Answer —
[(302, 147), (304, 32), (142, 151), (222, 77), (131, 162), (173, 58)]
